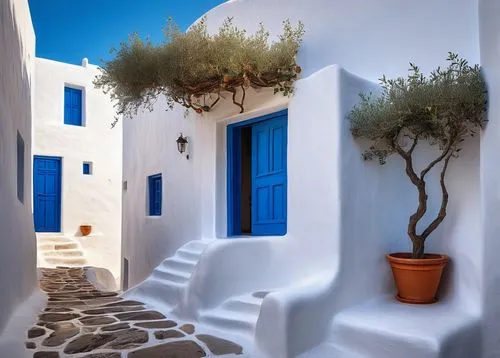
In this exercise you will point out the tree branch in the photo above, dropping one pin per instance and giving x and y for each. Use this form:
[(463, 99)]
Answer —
[(409, 163), (444, 202), (431, 165), (422, 195), (233, 91), (412, 148)]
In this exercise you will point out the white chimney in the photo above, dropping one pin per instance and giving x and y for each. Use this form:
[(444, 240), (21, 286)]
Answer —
[(85, 62)]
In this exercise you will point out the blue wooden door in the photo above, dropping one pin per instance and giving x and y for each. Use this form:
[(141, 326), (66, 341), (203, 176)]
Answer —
[(47, 193), (269, 176)]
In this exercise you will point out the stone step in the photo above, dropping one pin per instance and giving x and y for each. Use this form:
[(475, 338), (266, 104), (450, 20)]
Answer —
[(63, 253)]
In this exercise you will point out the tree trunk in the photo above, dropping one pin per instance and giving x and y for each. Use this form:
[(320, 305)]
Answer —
[(418, 248)]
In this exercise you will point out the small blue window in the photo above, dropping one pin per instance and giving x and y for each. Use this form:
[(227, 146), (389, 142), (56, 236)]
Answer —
[(72, 106), (154, 187), (87, 168), (20, 168)]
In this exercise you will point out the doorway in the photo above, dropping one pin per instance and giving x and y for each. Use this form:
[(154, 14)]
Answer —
[(257, 176), (47, 193)]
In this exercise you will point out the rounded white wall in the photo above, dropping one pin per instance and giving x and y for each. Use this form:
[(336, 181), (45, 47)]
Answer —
[(86, 199), (367, 38)]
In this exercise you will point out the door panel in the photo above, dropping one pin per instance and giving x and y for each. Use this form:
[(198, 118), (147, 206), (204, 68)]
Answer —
[(269, 177), (47, 194)]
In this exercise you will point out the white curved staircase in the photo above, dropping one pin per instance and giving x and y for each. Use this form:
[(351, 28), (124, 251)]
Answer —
[(167, 283), (237, 314), (57, 250)]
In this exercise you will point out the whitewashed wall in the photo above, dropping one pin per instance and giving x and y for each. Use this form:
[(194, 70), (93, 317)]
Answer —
[(366, 37), (489, 10), (17, 244), (86, 199)]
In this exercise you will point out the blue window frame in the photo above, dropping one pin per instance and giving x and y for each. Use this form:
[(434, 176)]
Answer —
[(73, 106), (87, 168), (20, 168), (154, 187)]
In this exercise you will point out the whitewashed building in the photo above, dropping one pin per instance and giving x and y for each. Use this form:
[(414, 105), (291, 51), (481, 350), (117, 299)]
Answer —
[(315, 283), (17, 243), (77, 168)]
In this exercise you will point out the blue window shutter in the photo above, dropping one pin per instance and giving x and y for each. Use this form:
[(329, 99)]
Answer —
[(155, 191), (73, 106), (86, 168), (158, 196), (67, 105)]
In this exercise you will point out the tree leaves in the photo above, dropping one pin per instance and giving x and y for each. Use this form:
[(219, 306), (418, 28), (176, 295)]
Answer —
[(442, 108), (190, 68)]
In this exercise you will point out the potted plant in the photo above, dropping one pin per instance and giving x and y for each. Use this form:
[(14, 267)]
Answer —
[(441, 110), (85, 229)]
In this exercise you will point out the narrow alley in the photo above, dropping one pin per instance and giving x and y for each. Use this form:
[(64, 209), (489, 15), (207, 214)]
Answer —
[(82, 321)]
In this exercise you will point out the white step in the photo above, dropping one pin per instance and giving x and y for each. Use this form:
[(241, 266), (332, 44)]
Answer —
[(246, 304), (178, 264), (62, 253), (65, 261), (196, 246), (171, 275), (67, 246), (53, 239), (411, 331), (156, 293), (328, 350), (166, 286), (225, 320), (187, 254)]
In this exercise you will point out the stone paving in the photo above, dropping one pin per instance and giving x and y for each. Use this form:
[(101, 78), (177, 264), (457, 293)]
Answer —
[(81, 321)]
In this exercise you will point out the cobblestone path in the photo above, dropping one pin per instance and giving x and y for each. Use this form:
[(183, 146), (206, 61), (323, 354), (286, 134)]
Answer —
[(81, 321)]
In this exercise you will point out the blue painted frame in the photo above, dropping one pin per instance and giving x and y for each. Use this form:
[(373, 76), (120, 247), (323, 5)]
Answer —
[(155, 202), (73, 106), (234, 170), (86, 168), (59, 187)]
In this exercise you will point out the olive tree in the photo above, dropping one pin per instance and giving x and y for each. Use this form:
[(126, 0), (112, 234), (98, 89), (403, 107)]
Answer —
[(442, 109), (196, 69)]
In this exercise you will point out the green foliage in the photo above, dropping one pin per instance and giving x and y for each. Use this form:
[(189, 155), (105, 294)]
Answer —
[(443, 109), (195, 68)]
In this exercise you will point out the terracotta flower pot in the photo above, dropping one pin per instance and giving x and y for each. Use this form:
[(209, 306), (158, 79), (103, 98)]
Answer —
[(85, 229), (417, 280)]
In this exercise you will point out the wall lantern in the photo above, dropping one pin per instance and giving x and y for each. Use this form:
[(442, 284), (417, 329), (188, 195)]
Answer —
[(182, 143)]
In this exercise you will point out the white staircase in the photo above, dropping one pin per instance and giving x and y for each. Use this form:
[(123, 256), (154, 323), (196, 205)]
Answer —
[(57, 250), (165, 287), (238, 314)]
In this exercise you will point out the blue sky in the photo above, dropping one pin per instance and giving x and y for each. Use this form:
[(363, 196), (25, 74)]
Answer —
[(68, 30)]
